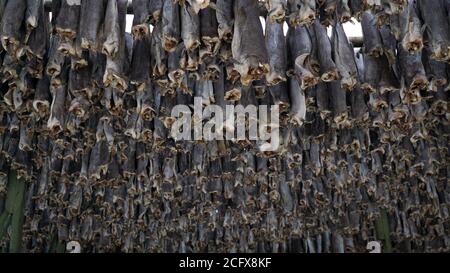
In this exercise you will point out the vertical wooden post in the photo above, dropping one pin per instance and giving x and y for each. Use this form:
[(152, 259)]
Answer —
[(12, 217), (18, 185), (382, 230)]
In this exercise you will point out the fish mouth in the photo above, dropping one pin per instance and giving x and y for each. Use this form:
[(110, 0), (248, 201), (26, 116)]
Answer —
[(273, 79), (376, 52), (66, 33), (54, 127), (346, 18), (140, 31), (330, 76), (414, 46), (388, 89), (439, 108), (308, 18), (226, 34), (419, 83), (348, 84), (42, 107), (176, 76), (341, 118), (169, 43), (309, 81), (441, 52)]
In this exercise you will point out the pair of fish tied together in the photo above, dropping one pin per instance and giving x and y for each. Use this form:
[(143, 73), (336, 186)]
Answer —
[(87, 153)]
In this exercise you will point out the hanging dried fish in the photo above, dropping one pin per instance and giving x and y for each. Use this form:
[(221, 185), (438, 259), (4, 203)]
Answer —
[(208, 32), (37, 42), (410, 29), (248, 47), (298, 102), (276, 10), (190, 28), (328, 68), (276, 50), (301, 12), (437, 28), (198, 5), (343, 56), (115, 45), (301, 52), (338, 103), (343, 11), (372, 39), (67, 20), (11, 36), (170, 25), (91, 20), (140, 19), (225, 20), (412, 70)]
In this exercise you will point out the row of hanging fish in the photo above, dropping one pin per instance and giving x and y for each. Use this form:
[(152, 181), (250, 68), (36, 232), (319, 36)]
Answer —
[(86, 123)]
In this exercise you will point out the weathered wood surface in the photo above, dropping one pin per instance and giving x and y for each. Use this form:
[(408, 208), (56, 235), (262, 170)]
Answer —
[(85, 127)]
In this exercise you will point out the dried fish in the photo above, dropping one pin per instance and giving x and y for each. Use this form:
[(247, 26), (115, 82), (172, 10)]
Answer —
[(437, 29), (300, 52), (11, 36), (91, 19), (328, 68), (410, 29), (248, 47), (190, 28), (224, 15), (171, 28), (276, 50), (372, 39)]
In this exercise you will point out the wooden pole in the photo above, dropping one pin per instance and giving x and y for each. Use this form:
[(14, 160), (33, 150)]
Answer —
[(382, 230)]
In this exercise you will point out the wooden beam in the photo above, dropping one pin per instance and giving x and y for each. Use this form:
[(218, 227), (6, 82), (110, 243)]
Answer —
[(383, 232)]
